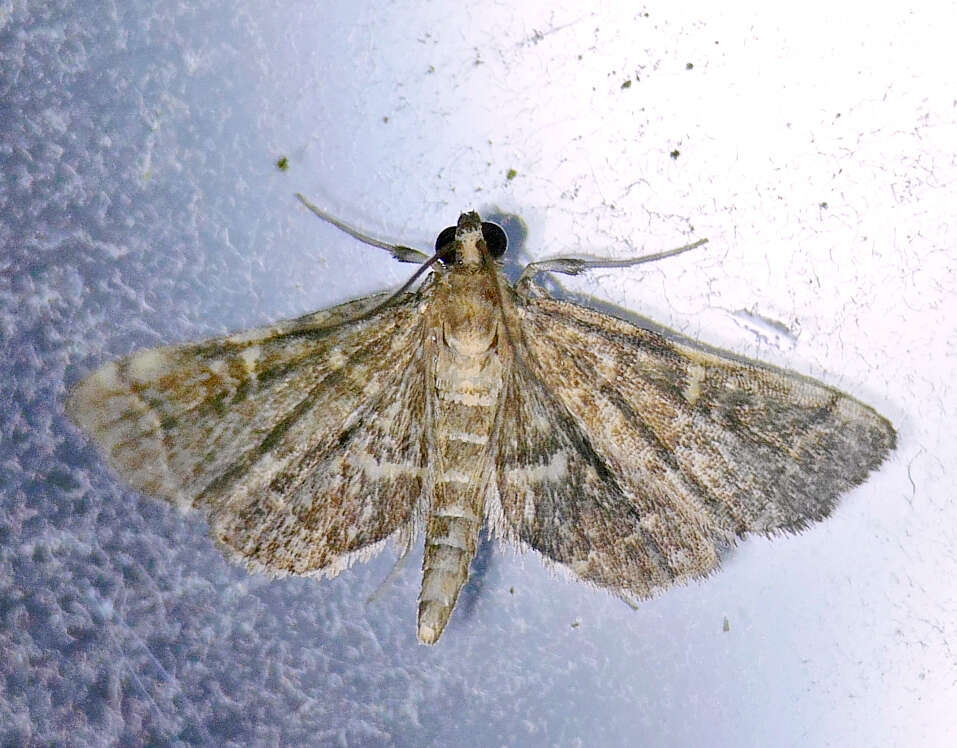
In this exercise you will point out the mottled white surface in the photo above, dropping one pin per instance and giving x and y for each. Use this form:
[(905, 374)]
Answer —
[(140, 204)]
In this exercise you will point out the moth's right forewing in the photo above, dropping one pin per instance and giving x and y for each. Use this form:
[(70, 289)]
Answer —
[(743, 446)]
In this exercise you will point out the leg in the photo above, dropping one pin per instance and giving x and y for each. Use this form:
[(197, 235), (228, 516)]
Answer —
[(575, 265), (399, 252)]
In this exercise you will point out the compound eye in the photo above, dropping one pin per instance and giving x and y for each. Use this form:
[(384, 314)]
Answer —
[(495, 239), (444, 239)]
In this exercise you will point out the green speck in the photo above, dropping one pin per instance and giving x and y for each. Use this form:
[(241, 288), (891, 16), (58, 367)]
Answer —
[(511, 174), (674, 154), (282, 163), (626, 84)]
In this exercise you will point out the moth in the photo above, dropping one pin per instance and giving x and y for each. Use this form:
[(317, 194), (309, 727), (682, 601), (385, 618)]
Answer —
[(627, 458)]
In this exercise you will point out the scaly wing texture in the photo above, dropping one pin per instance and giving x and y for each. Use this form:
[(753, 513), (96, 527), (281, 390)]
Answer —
[(565, 500), (633, 460), (302, 441)]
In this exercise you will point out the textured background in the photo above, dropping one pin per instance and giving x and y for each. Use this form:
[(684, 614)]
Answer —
[(140, 205)]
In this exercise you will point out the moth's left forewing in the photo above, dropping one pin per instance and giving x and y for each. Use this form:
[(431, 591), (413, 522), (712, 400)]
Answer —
[(302, 442), (171, 420)]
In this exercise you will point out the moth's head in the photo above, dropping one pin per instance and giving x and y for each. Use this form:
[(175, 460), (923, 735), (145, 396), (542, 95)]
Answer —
[(471, 240)]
